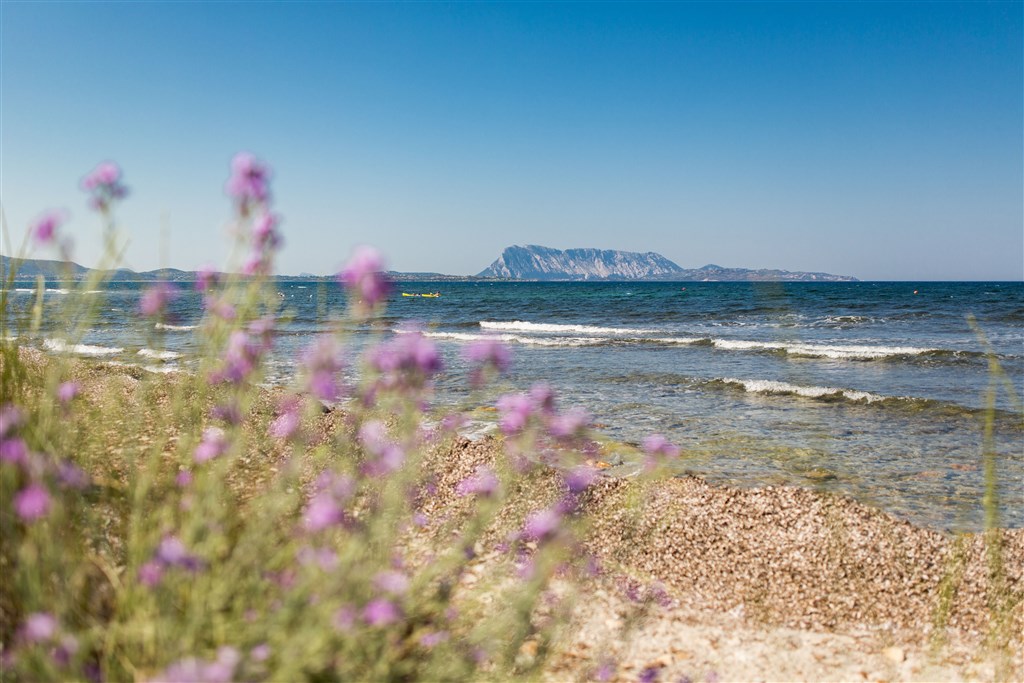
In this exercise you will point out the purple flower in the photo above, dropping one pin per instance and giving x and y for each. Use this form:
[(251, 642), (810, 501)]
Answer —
[(65, 650), (240, 359), (322, 363), (13, 451), (67, 391), (11, 417), (260, 653), (433, 639), (407, 360), (151, 573), (183, 479), (155, 299), (44, 231), (541, 525), (579, 478), (172, 553), (364, 278), (193, 670), (483, 483), (658, 447), (104, 184), (605, 671), (381, 612), (322, 512), (649, 675), (543, 397), (285, 424), (344, 619), (249, 182), (39, 627), (264, 231), (515, 410), (32, 502), (229, 412), (488, 353), (206, 278), (215, 443), (391, 581), (71, 475), (569, 424)]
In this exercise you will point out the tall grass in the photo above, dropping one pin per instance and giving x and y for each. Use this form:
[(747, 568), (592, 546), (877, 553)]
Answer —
[(201, 527)]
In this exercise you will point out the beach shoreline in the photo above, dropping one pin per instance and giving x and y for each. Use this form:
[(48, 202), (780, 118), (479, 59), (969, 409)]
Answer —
[(708, 581)]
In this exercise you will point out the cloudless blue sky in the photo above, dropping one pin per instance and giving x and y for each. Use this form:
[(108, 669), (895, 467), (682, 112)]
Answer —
[(880, 140)]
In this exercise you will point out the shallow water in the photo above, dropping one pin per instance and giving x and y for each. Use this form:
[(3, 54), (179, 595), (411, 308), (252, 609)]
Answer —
[(865, 389)]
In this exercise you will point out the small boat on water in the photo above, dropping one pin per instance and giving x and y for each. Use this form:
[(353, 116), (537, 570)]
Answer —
[(425, 295)]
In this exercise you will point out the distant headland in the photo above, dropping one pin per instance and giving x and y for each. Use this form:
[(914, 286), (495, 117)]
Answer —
[(530, 262)]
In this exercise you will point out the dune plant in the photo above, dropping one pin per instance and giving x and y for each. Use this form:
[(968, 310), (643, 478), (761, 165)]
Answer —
[(199, 526)]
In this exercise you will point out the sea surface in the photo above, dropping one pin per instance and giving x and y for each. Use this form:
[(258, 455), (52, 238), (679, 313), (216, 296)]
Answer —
[(875, 390)]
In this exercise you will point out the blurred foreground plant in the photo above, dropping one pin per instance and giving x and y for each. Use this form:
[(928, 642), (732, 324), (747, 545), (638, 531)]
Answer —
[(200, 527)]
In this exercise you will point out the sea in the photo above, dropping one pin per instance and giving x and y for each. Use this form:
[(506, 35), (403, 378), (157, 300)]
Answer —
[(874, 390)]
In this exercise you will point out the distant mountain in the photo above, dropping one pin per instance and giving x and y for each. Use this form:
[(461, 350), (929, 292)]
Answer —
[(59, 270), (534, 262)]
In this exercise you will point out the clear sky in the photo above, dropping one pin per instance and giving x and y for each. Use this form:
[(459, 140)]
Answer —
[(880, 140)]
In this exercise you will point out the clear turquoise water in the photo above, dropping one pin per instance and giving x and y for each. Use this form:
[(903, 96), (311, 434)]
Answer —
[(865, 389)]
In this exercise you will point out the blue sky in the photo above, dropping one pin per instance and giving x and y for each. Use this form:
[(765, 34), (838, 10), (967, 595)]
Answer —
[(879, 140)]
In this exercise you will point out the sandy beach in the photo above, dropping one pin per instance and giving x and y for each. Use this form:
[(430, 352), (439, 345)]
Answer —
[(700, 582)]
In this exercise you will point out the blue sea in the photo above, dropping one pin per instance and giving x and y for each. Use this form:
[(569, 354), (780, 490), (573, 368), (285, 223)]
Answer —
[(874, 390)]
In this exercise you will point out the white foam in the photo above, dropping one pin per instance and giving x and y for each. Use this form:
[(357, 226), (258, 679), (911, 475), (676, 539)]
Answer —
[(833, 351), (175, 328), (61, 346), (678, 340), (159, 355), (517, 339), (521, 326), (767, 386), (160, 369)]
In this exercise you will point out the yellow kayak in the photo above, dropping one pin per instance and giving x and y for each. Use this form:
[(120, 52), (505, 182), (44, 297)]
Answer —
[(432, 295)]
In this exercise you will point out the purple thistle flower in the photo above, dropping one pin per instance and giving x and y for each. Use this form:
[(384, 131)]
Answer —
[(103, 183), (72, 476), (322, 512), (322, 363), (657, 445), (364, 278), (543, 397), (240, 359), (487, 353), (219, 307), (605, 671), (193, 670), (65, 650), (483, 483), (579, 478), (32, 502), (183, 479), (285, 424), (67, 391), (344, 619), (256, 264), (155, 299), (44, 231), (433, 639), (569, 424), (407, 360), (260, 653), (391, 581), (229, 412), (542, 524), (172, 553), (39, 627), (215, 443), (206, 278), (381, 612), (14, 451), (151, 573), (649, 675), (11, 417), (264, 231), (515, 411), (249, 182)]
